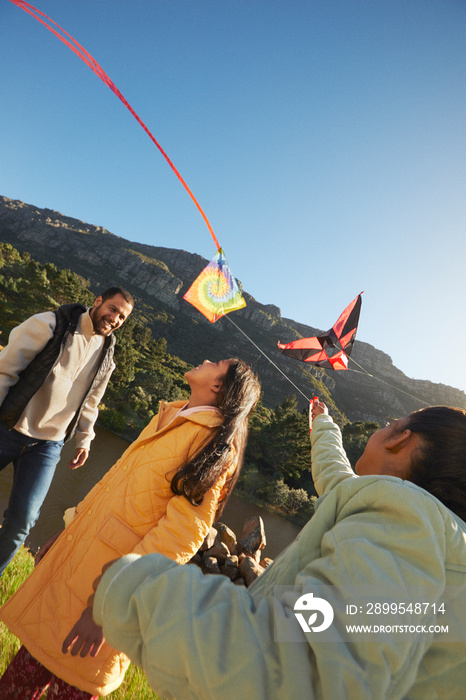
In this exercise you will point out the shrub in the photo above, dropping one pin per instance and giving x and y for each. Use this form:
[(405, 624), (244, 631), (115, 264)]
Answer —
[(297, 498)]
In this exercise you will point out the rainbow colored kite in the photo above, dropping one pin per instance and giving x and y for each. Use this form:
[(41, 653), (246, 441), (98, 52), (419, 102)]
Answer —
[(215, 291)]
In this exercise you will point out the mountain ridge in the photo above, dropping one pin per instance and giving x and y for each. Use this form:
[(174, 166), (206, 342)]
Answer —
[(158, 277)]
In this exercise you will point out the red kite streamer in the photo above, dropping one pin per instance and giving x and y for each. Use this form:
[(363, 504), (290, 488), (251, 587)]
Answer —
[(93, 65)]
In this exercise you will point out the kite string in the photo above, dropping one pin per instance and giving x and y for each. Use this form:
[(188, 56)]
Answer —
[(267, 358), (364, 370), (86, 57)]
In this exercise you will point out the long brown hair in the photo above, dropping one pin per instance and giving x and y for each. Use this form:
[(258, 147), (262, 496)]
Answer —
[(439, 464), (238, 397)]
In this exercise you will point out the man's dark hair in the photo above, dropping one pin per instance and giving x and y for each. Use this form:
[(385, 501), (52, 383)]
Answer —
[(113, 291)]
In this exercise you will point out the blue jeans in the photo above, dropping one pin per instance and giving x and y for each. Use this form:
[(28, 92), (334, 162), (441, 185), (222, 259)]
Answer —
[(34, 463)]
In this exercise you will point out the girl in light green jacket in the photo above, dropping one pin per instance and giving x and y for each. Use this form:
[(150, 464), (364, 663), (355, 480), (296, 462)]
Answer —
[(385, 547)]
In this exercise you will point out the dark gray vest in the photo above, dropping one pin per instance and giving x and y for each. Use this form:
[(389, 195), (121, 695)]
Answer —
[(34, 375)]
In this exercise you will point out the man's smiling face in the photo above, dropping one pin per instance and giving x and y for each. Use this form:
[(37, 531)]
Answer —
[(110, 314)]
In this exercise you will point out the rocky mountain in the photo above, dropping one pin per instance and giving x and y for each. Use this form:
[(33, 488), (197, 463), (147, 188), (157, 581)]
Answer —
[(158, 278)]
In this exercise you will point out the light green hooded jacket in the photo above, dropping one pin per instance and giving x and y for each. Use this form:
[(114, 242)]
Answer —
[(200, 636)]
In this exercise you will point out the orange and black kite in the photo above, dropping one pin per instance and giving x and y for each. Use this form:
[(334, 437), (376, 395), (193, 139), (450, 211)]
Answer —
[(332, 349)]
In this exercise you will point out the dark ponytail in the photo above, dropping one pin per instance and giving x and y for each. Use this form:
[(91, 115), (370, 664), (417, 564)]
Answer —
[(439, 465), (237, 399)]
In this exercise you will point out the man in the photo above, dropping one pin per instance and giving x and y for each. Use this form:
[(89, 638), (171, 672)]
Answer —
[(53, 374)]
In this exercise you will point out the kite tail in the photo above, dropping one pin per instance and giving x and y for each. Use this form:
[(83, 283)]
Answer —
[(98, 70)]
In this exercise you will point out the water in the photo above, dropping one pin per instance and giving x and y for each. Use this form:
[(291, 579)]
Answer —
[(70, 486)]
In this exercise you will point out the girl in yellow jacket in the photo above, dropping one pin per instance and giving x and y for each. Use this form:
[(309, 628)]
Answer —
[(162, 496)]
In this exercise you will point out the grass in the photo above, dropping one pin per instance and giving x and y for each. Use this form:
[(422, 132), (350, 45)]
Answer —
[(14, 575), (134, 686)]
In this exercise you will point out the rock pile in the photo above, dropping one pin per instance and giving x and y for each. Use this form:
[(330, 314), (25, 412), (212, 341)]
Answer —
[(239, 559)]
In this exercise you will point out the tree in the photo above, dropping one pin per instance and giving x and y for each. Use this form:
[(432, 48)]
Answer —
[(355, 436), (280, 446)]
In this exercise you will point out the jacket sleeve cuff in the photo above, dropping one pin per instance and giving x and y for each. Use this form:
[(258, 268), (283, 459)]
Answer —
[(318, 423), (83, 442)]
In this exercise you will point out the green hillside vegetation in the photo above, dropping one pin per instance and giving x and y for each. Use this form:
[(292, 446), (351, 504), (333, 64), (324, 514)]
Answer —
[(277, 464)]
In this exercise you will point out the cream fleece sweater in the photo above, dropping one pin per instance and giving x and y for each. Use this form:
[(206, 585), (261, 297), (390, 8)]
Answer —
[(51, 409)]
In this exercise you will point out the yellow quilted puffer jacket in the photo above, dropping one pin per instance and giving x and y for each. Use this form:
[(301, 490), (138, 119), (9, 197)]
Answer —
[(132, 509)]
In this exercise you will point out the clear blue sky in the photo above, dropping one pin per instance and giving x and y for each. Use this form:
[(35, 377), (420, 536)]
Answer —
[(324, 139)]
